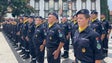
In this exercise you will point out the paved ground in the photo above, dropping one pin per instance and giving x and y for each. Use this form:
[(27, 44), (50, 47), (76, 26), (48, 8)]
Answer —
[(6, 54), (109, 58), (9, 55)]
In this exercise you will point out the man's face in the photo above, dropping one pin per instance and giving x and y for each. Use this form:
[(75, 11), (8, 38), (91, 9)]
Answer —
[(25, 18), (93, 16), (38, 21), (51, 19), (102, 16), (64, 19), (21, 20), (30, 20)]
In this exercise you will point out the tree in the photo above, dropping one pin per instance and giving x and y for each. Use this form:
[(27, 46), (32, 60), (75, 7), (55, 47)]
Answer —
[(17, 7), (104, 8), (3, 7)]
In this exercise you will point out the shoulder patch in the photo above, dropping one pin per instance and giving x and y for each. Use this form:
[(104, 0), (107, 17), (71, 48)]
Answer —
[(98, 44), (60, 34)]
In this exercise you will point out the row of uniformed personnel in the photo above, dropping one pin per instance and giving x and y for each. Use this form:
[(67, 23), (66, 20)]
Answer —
[(89, 37)]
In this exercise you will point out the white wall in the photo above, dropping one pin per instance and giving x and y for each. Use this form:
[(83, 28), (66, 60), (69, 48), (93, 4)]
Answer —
[(78, 6)]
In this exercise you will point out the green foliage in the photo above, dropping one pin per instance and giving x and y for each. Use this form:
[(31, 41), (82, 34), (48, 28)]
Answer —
[(18, 7), (104, 8)]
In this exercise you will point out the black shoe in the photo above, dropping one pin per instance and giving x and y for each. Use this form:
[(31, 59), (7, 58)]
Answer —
[(21, 53), (17, 49), (25, 56), (33, 61), (65, 55), (105, 54), (15, 46)]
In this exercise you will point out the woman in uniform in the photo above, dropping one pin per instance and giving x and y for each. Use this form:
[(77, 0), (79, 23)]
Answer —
[(87, 47)]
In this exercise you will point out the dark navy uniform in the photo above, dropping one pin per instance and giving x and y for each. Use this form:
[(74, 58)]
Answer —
[(25, 45), (45, 24), (53, 38), (30, 33), (96, 26), (14, 36), (74, 27), (9, 26), (38, 38), (18, 35), (66, 30), (106, 26), (86, 42), (21, 40), (87, 48)]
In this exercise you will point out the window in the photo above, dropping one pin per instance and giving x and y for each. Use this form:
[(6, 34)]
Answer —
[(64, 7), (74, 8), (37, 7), (93, 4), (46, 8), (56, 6), (83, 4)]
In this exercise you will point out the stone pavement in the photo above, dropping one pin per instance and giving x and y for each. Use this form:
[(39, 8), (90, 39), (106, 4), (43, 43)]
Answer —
[(6, 54), (9, 55)]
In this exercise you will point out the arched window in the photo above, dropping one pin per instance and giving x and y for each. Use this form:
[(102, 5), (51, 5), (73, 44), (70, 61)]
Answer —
[(56, 6), (83, 5), (37, 7), (93, 4), (64, 7), (46, 8), (74, 8)]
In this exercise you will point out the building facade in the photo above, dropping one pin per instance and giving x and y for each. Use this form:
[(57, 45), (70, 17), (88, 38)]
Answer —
[(63, 7)]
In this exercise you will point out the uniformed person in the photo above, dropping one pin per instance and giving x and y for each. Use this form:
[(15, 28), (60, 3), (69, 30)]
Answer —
[(96, 24), (65, 24), (74, 26), (107, 29), (19, 24), (9, 32), (21, 40), (54, 39), (39, 39), (87, 48), (29, 39), (13, 33), (23, 32), (45, 22)]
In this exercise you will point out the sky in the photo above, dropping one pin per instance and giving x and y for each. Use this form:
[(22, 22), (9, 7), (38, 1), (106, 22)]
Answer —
[(110, 4)]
